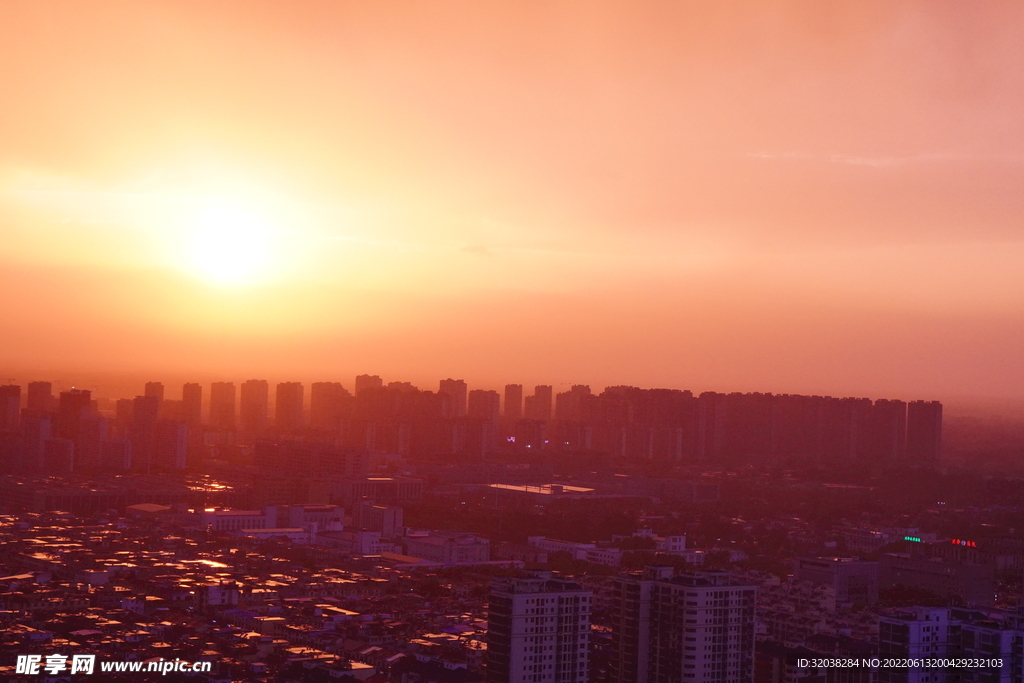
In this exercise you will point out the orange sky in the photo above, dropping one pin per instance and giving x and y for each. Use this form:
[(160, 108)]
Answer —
[(781, 196)]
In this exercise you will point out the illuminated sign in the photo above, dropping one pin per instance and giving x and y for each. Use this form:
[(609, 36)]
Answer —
[(965, 544), (915, 539)]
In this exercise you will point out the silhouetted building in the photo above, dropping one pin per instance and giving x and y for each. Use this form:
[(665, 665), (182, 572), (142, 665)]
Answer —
[(115, 455), (39, 396), (309, 459), (538, 406), (92, 432), (513, 401), (364, 382), (455, 389), (222, 405), (192, 404), (58, 456), (10, 408), (329, 404), (924, 433), (36, 427), (171, 445), (570, 405), (888, 431), (484, 405), (288, 407), (74, 406), (538, 630), (142, 435), (155, 389), (253, 406)]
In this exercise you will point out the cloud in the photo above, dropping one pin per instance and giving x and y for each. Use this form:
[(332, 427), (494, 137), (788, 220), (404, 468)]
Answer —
[(477, 249)]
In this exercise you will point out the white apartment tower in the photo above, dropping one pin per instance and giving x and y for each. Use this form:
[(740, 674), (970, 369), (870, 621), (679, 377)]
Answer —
[(538, 630), (692, 628)]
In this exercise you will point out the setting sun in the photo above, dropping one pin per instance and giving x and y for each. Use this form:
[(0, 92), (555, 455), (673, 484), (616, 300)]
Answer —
[(230, 245)]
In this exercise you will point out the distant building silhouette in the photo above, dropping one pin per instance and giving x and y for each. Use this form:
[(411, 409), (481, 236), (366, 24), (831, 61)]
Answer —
[(155, 389), (222, 405), (455, 390), (364, 382), (253, 406), (570, 405), (192, 404), (289, 407), (538, 406), (329, 403), (484, 405), (924, 432), (39, 396), (74, 406), (10, 408), (142, 435), (513, 401)]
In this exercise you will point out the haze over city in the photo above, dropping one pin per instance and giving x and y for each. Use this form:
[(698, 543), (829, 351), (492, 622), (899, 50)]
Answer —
[(749, 196), (512, 342)]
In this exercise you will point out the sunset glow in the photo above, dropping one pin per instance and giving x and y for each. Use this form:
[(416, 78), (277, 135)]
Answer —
[(785, 196), (230, 245)]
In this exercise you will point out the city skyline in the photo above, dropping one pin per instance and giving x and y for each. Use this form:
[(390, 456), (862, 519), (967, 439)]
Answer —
[(523, 342), (751, 197)]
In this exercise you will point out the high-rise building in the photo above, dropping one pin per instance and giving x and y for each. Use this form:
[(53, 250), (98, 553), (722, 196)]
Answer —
[(10, 408), (39, 396), (695, 627), (538, 406), (327, 405), (36, 428), (538, 630), (222, 405), (254, 406), (142, 434), (364, 382), (288, 408), (155, 389), (889, 430), (924, 433), (513, 401), (74, 406), (192, 404), (570, 405), (58, 456), (932, 634), (484, 405), (455, 389), (92, 432), (921, 633), (171, 445)]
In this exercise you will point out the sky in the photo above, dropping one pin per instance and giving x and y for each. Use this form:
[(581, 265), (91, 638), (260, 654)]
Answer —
[(767, 195)]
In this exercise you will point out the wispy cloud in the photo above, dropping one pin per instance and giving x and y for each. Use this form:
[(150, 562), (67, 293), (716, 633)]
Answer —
[(885, 161)]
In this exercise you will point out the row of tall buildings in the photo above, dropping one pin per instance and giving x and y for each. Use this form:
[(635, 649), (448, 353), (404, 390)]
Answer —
[(624, 422), (66, 433), (695, 627)]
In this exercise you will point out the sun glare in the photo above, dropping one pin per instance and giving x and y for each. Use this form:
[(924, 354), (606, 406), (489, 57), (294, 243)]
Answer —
[(230, 245)]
